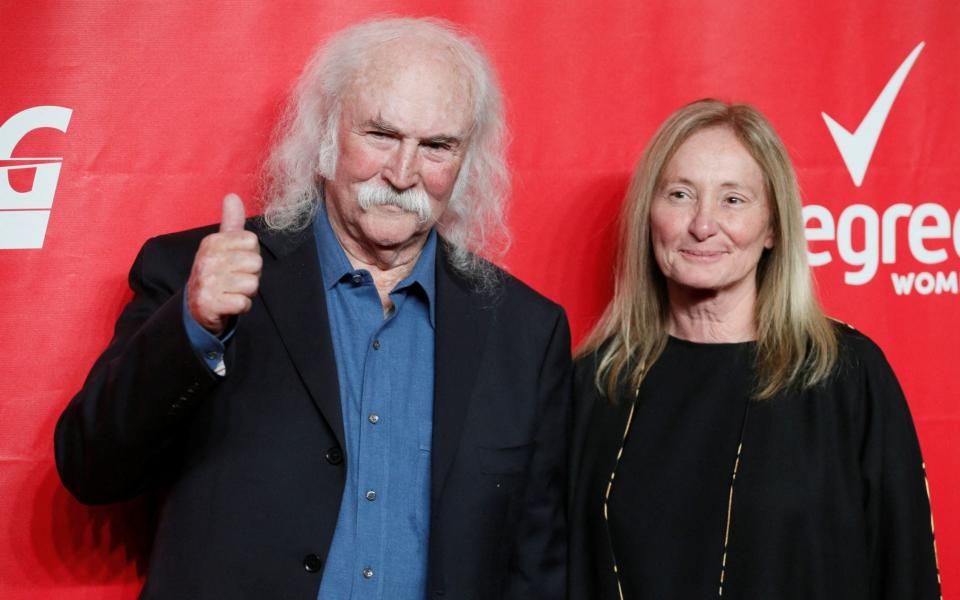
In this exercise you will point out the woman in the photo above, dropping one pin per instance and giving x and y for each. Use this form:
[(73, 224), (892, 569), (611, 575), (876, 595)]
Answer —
[(730, 440)]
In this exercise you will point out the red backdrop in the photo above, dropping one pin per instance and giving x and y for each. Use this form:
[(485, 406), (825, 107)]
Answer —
[(165, 107)]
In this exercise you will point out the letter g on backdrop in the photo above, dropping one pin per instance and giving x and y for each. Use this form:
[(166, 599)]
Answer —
[(24, 215)]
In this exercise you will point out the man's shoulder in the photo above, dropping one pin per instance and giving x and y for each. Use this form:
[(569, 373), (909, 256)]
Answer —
[(186, 241), (172, 254), (183, 238), (518, 292), (192, 236), (500, 291)]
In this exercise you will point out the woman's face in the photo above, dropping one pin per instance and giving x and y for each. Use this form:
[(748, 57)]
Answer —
[(710, 218)]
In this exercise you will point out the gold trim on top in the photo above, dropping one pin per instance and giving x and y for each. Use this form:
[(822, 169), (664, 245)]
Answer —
[(726, 530), (613, 473), (933, 535)]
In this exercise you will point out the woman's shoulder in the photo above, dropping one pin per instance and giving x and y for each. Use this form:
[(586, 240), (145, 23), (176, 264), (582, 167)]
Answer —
[(864, 384), (594, 408), (585, 373), (857, 352), (587, 396), (586, 383)]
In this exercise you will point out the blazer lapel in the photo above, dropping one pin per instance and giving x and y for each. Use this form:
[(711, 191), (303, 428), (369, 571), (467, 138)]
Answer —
[(462, 322), (292, 291)]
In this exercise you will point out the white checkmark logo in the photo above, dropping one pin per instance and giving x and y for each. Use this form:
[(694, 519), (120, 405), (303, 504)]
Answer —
[(856, 148)]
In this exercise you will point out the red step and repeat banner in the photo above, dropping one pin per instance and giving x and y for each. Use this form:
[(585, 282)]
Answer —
[(123, 120)]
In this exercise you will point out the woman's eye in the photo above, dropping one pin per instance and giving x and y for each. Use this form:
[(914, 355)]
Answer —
[(678, 194)]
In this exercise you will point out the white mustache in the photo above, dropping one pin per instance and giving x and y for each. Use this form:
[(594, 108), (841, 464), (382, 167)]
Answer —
[(411, 200)]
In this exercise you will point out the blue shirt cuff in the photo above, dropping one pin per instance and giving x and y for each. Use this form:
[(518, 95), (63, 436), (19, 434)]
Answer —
[(210, 347)]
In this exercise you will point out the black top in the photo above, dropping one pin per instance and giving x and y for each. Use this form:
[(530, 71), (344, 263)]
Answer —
[(829, 499), (683, 443)]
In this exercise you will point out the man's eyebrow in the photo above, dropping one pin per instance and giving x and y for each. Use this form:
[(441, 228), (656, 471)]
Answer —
[(449, 140), (381, 125)]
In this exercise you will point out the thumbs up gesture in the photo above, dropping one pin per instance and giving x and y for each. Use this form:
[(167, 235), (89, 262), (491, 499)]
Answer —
[(226, 271)]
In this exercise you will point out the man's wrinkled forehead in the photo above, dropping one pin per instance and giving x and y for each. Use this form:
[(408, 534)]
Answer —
[(414, 64)]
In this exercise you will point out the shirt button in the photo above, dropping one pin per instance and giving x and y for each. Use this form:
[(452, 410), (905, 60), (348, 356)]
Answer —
[(374, 418), (370, 495), (357, 278), (368, 573), (376, 344)]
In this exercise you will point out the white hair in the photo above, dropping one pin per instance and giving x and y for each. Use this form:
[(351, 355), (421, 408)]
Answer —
[(305, 151)]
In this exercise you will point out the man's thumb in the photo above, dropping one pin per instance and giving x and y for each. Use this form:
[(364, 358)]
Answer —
[(233, 214)]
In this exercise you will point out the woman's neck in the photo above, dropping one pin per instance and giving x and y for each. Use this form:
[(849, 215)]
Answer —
[(709, 316)]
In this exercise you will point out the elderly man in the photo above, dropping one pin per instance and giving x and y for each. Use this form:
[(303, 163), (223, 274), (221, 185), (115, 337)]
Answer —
[(339, 398)]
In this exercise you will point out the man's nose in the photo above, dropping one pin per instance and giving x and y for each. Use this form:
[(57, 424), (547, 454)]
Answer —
[(402, 170), (704, 222)]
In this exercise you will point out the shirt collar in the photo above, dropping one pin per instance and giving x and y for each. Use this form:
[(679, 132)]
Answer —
[(335, 266), (424, 273)]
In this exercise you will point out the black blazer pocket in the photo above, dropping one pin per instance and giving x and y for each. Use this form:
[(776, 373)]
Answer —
[(511, 460)]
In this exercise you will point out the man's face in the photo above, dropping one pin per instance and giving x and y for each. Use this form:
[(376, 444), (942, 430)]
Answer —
[(404, 127)]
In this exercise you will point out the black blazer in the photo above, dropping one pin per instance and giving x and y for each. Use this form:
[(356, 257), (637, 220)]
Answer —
[(253, 466)]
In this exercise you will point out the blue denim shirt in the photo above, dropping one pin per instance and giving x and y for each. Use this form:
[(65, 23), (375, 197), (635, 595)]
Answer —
[(385, 368)]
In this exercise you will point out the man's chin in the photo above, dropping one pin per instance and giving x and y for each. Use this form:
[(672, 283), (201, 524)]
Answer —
[(390, 209), (395, 231), (394, 211)]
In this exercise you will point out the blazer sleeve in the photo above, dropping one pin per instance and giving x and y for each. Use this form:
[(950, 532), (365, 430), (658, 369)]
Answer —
[(901, 548), (118, 434), (539, 563)]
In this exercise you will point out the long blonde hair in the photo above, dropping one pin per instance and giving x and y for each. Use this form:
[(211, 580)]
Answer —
[(796, 342)]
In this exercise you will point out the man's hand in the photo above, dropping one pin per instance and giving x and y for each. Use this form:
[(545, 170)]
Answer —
[(226, 271)]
